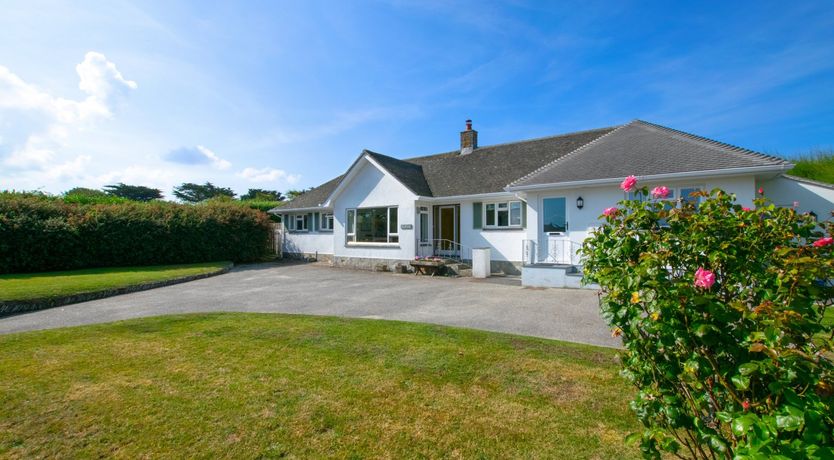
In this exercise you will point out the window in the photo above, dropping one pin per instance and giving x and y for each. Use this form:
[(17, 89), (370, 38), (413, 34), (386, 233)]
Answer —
[(686, 191), (681, 192), (299, 222), (372, 225), (327, 222), (554, 215), (505, 214), (424, 224)]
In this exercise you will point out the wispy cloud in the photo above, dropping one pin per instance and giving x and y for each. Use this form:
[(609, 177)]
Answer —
[(268, 175), (197, 155)]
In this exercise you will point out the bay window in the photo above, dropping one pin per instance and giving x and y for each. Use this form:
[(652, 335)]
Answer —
[(372, 225)]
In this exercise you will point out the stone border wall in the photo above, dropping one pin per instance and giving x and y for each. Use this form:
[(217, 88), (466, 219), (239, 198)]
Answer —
[(11, 307)]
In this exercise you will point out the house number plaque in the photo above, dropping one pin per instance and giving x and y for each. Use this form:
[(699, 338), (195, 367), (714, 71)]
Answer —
[(406, 226)]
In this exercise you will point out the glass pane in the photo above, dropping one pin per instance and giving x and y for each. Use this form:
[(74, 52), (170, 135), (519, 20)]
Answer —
[(392, 220), (394, 239), (503, 217), (424, 227), (554, 218), (636, 195), (515, 213), (372, 225), (351, 221), (490, 214)]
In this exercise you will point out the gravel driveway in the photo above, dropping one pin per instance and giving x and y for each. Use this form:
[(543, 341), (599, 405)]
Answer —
[(563, 314)]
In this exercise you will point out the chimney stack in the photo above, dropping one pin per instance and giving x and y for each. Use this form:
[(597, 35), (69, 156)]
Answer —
[(468, 139)]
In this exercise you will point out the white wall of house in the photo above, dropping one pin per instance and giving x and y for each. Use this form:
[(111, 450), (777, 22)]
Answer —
[(582, 221), (504, 244), (308, 242), (783, 191), (370, 187)]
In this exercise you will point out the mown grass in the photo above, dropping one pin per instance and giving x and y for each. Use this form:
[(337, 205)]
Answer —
[(57, 284), (269, 386), (815, 166)]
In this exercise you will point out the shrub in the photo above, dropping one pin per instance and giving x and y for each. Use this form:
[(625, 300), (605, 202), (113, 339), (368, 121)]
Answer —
[(720, 310), (40, 234)]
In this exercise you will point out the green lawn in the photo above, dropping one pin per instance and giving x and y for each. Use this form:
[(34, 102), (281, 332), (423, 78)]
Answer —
[(266, 386), (56, 284)]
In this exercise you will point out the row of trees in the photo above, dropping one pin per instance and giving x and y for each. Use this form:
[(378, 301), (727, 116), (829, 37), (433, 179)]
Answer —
[(187, 192)]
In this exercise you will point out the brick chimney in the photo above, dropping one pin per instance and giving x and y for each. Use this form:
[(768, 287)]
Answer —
[(468, 139)]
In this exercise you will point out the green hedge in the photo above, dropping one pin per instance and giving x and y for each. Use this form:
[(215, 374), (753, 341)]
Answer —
[(43, 234)]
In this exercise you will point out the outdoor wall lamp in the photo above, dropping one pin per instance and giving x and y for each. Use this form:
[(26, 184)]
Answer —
[(580, 202)]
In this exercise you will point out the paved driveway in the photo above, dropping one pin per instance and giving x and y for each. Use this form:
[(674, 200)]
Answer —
[(563, 314)]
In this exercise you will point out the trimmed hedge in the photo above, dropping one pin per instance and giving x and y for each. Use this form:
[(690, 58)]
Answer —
[(43, 234)]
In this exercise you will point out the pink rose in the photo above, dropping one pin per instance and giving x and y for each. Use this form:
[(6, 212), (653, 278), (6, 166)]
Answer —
[(660, 192), (704, 278), (629, 183), (761, 191), (745, 208), (823, 242), (612, 211)]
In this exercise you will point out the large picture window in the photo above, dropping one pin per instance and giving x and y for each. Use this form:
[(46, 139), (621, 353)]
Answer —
[(504, 214), (372, 225)]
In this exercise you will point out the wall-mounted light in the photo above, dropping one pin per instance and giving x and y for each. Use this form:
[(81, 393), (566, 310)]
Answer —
[(580, 203)]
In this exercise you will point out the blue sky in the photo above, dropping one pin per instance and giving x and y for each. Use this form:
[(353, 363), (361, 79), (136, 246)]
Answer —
[(284, 95)]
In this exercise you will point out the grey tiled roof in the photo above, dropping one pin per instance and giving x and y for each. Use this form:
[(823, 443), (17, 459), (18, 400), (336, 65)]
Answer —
[(638, 148), (645, 149)]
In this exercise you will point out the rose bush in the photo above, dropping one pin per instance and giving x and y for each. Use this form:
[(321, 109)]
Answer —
[(720, 309)]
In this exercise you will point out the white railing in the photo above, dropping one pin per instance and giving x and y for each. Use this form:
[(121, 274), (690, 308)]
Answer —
[(555, 251), (443, 248)]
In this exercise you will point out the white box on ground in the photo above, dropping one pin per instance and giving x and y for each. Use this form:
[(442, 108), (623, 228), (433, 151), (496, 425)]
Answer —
[(480, 263)]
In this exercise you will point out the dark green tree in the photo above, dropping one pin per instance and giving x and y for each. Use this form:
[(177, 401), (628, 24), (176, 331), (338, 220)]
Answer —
[(83, 191), (195, 193), (134, 192), (262, 195), (292, 194)]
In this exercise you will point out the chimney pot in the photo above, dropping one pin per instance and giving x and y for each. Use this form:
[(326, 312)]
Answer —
[(468, 139)]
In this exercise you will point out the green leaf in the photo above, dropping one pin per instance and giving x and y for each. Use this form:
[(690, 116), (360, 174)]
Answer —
[(742, 382), (748, 368), (743, 423), (789, 422)]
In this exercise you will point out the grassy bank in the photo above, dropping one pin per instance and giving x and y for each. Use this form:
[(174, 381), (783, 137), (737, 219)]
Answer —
[(58, 284), (255, 385)]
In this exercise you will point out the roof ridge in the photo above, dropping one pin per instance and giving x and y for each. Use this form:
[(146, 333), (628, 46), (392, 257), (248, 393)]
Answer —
[(714, 143), (570, 154), (533, 139)]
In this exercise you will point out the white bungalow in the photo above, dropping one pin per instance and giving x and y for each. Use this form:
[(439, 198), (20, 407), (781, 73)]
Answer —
[(532, 202)]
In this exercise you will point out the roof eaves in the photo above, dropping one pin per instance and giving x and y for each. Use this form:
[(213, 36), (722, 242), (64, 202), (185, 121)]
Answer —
[(809, 181)]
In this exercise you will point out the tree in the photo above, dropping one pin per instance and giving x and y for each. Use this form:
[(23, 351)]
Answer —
[(134, 192), (85, 192), (293, 194), (721, 312), (262, 195), (195, 193)]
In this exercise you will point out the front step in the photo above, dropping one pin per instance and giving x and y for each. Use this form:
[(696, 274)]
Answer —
[(459, 269)]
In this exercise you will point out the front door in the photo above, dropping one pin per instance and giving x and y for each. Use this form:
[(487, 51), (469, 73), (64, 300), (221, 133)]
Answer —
[(447, 225), (554, 237)]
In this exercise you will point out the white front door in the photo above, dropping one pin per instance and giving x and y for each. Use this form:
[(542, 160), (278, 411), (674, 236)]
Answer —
[(556, 245)]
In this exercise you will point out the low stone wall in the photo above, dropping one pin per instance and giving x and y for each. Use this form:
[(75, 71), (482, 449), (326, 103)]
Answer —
[(361, 263), (11, 307), (309, 256)]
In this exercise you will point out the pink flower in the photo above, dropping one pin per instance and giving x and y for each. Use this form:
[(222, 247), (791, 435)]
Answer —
[(629, 183), (823, 242), (745, 208), (660, 192), (612, 211), (704, 278), (761, 191)]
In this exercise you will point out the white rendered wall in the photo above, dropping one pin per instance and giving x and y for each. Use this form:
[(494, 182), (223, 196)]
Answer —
[(308, 243), (784, 191), (582, 221), (370, 188), (505, 245)]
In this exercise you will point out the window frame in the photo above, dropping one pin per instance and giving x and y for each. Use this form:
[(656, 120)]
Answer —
[(326, 221), (498, 207), (391, 238), (304, 220)]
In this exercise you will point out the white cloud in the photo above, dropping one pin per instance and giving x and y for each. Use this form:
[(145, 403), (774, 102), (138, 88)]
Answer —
[(268, 175), (39, 124), (216, 161)]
